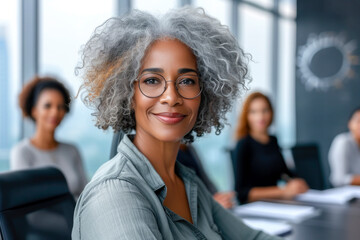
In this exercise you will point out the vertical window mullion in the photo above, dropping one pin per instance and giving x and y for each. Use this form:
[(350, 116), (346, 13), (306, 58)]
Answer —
[(30, 50)]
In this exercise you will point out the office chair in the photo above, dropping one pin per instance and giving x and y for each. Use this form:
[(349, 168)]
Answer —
[(308, 165), (35, 204), (234, 162), (117, 137)]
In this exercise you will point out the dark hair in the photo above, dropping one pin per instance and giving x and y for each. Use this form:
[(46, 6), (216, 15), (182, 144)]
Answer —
[(243, 128), (32, 90), (353, 112)]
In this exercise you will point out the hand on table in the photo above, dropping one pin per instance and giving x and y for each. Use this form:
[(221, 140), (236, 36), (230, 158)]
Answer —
[(294, 187), (226, 199)]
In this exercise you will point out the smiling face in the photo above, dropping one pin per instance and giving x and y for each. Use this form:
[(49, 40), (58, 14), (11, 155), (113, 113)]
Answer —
[(259, 115), (49, 110), (354, 126), (168, 117)]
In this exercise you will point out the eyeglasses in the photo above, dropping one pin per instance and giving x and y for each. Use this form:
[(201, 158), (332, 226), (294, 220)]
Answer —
[(153, 85)]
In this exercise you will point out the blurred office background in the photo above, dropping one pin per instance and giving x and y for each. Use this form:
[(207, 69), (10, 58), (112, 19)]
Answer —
[(305, 57)]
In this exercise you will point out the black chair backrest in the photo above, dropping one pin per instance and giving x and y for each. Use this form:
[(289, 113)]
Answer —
[(35, 204), (117, 137), (233, 162), (308, 165)]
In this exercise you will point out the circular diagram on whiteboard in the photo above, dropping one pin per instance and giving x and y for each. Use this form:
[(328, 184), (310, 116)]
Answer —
[(326, 60)]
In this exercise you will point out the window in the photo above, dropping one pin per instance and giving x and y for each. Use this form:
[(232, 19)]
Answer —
[(155, 7), (219, 9), (63, 30), (10, 69), (285, 111), (287, 8), (255, 37), (264, 3)]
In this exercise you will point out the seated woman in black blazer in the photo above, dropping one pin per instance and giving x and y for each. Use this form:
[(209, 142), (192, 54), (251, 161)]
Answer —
[(259, 163)]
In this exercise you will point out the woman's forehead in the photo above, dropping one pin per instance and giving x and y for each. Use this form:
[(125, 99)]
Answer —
[(168, 52)]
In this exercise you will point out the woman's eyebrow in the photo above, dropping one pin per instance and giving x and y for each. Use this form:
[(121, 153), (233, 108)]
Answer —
[(157, 70), (160, 70), (186, 70)]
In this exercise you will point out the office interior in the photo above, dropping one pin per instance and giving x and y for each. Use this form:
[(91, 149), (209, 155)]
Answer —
[(305, 57)]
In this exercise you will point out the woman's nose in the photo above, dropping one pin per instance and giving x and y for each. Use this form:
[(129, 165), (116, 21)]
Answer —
[(171, 95), (55, 111)]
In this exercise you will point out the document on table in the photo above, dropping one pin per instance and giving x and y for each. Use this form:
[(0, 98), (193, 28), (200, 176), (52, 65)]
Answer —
[(340, 196), (293, 213), (353, 191), (271, 227)]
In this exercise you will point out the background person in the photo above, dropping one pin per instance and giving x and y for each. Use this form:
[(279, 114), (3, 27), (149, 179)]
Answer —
[(344, 154), (46, 101), (259, 163)]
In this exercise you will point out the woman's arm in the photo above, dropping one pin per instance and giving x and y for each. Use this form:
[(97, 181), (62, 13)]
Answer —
[(258, 193), (114, 209), (289, 191), (338, 161), (355, 180)]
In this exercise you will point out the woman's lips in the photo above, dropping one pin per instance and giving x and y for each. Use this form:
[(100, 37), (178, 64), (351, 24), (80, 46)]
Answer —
[(54, 121), (170, 118)]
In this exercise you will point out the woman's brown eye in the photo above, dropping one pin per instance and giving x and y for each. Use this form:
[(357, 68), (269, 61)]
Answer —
[(47, 105)]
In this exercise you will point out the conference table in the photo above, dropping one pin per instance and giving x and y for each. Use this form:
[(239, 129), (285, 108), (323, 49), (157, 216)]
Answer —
[(334, 222)]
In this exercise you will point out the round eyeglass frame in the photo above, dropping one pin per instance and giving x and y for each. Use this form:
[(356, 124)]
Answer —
[(165, 87)]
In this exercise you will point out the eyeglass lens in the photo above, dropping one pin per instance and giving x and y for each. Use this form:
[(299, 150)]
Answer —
[(154, 85)]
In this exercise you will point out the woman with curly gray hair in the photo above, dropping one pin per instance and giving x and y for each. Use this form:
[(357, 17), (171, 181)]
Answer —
[(165, 79)]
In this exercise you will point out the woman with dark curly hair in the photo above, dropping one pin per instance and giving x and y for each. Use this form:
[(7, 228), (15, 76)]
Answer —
[(46, 101), (165, 79)]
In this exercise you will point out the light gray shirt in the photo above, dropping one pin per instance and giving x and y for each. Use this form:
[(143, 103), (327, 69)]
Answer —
[(65, 157), (124, 200), (344, 159)]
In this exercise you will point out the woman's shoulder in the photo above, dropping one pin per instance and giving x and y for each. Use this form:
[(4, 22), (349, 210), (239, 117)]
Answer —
[(119, 170), (273, 140), (343, 140), (244, 140), (343, 137), (23, 152), (66, 146), (113, 180), (22, 146)]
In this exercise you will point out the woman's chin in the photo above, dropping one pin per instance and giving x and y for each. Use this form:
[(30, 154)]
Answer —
[(169, 138), (51, 127)]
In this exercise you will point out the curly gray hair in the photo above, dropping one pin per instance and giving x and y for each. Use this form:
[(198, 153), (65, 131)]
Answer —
[(111, 60)]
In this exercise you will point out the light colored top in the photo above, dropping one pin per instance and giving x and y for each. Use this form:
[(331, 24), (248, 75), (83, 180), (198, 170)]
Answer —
[(65, 157), (344, 159), (124, 200)]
